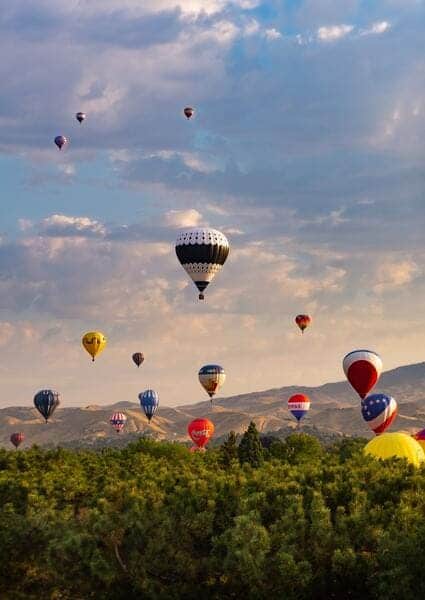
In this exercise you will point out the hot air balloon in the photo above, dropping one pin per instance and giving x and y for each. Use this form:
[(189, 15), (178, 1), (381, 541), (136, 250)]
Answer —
[(362, 369), (80, 116), (299, 405), (303, 321), (17, 439), (94, 342), (118, 420), (202, 252), (201, 431), (189, 112), (420, 438), (149, 401), (46, 401), (60, 141), (395, 445), (138, 358), (211, 377), (379, 411)]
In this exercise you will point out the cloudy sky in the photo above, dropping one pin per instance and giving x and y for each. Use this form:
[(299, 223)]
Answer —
[(307, 151)]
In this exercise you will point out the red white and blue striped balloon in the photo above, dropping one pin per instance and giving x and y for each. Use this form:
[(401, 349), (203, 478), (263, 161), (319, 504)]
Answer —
[(379, 411), (118, 420), (299, 405), (362, 369)]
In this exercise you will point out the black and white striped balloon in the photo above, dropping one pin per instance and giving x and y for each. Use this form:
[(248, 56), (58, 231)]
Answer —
[(202, 252)]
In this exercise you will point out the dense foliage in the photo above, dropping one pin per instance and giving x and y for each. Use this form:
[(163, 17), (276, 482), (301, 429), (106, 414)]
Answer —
[(155, 521)]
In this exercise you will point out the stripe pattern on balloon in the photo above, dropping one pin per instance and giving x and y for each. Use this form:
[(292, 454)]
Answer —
[(149, 401), (379, 411)]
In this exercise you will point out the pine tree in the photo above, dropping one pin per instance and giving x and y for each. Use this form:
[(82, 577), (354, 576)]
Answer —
[(250, 449), (229, 450)]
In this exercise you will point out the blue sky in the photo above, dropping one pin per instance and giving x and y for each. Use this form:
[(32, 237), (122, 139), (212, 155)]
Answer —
[(306, 150)]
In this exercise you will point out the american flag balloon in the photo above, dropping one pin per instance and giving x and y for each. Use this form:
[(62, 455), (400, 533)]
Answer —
[(379, 411), (118, 420)]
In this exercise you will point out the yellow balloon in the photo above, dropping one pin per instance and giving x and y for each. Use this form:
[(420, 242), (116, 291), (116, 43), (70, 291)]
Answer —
[(94, 342), (398, 445)]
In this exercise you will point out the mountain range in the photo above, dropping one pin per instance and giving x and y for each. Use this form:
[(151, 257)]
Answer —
[(335, 411)]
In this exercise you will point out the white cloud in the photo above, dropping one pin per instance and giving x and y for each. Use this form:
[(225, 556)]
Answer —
[(333, 32), (63, 225), (395, 274), (183, 218), (377, 28), (272, 34)]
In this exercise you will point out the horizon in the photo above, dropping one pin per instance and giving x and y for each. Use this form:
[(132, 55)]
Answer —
[(305, 150)]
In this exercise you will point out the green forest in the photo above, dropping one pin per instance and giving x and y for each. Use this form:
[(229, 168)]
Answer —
[(252, 518)]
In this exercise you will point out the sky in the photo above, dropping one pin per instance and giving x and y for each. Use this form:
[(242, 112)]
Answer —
[(306, 150)]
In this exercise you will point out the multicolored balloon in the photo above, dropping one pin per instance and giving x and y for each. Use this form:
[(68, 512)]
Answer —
[(94, 342), (17, 438), (60, 141), (299, 405), (80, 116), (420, 438), (200, 431), (211, 377), (379, 411), (46, 402), (362, 369), (138, 358), (189, 112), (202, 253), (118, 421), (303, 321), (149, 401)]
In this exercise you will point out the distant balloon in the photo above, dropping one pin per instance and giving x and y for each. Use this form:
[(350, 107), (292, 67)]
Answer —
[(379, 411), (299, 405), (17, 439), (118, 421), (211, 378), (201, 431), (138, 358), (46, 401), (60, 141), (94, 342), (303, 321), (395, 445), (202, 252), (189, 112), (149, 401), (362, 369), (80, 116)]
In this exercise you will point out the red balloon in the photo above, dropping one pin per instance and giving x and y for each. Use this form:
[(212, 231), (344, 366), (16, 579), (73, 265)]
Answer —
[(362, 369), (303, 321), (188, 112), (17, 438), (200, 431)]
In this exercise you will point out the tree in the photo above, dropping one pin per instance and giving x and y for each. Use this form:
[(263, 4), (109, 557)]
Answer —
[(229, 450), (250, 449)]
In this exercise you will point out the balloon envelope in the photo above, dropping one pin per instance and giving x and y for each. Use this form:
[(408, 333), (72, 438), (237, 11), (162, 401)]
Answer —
[(200, 431), (395, 445), (299, 405), (138, 358), (80, 116), (118, 420), (149, 401), (420, 438), (189, 112), (17, 438), (60, 141), (211, 377), (94, 342), (202, 253), (379, 411), (46, 401), (303, 321), (362, 369)]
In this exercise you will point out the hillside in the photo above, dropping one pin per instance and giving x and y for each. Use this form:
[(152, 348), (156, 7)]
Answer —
[(335, 411)]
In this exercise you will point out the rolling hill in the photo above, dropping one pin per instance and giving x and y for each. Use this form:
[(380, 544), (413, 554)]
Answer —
[(334, 412)]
